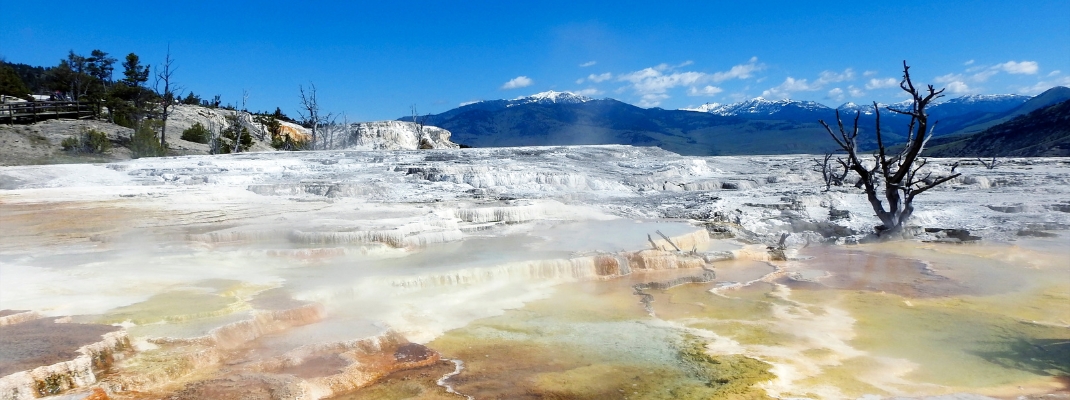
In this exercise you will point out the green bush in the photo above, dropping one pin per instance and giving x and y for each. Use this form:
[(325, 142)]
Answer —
[(145, 143), (236, 132), (88, 141), (197, 133)]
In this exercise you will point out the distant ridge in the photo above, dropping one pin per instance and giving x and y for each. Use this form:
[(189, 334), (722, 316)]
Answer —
[(755, 126), (1043, 132)]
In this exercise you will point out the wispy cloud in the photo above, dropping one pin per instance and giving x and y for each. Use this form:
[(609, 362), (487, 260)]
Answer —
[(958, 87), (836, 94), (600, 77), (786, 88), (518, 82), (704, 91), (1024, 67), (588, 92), (652, 99), (588, 64), (1043, 85), (967, 63), (792, 85), (468, 102), (741, 71), (831, 77), (969, 80), (882, 83), (869, 73), (652, 84)]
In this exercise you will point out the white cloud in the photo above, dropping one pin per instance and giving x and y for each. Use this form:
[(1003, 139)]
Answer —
[(958, 87), (469, 102), (600, 77), (948, 78), (738, 96), (855, 92), (831, 77), (1053, 73), (579, 81), (518, 82), (588, 92), (741, 71), (836, 94), (790, 85), (652, 99), (983, 75), (705, 91), (1043, 85), (588, 64), (1024, 67), (653, 80), (869, 73), (882, 83), (653, 83), (968, 62)]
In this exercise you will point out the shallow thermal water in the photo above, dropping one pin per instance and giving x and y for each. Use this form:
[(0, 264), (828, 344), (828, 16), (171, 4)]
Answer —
[(219, 291)]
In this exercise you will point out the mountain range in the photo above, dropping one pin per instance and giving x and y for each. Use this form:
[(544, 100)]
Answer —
[(1043, 132), (756, 126)]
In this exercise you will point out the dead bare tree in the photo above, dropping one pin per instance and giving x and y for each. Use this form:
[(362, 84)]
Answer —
[(898, 173), (311, 114), (240, 119), (829, 173), (168, 95), (990, 164), (423, 142)]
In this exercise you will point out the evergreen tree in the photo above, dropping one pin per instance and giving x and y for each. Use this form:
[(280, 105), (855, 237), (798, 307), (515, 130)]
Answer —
[(11, 85), (134, 74)]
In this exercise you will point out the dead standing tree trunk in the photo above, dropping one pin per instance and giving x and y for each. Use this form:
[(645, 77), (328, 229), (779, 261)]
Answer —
[(168, 94), (899, 173)]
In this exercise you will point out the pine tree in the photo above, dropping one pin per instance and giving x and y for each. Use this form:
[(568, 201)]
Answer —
[(11, 85)]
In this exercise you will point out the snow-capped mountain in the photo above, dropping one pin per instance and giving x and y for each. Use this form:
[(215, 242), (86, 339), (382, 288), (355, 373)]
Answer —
[(551, 97), (708, 107), (759, 106), (989, 98), (849, 108), (979, 103)]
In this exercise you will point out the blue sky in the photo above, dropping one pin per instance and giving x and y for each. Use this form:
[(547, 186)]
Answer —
[(372, 60)]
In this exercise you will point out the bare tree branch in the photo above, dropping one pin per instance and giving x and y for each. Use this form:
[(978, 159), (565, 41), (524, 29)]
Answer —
[(898, 172)]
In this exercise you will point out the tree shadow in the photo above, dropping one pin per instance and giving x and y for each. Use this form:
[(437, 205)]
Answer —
[(1048, 357)]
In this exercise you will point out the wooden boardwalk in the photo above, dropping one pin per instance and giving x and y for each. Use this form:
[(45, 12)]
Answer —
[(33, 111)]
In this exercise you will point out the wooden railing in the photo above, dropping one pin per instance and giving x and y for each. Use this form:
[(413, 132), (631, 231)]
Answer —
[(33, 111)]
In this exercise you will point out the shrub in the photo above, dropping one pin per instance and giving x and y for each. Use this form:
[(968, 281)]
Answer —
[(235, 134), (197, 133), (145, 143), (88, 141)]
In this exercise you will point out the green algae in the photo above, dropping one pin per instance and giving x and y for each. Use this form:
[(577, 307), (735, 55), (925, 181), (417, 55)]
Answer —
[(958, 346), (727, 376), (173, 306), (579, 345), (204, 299), (746, 333)]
